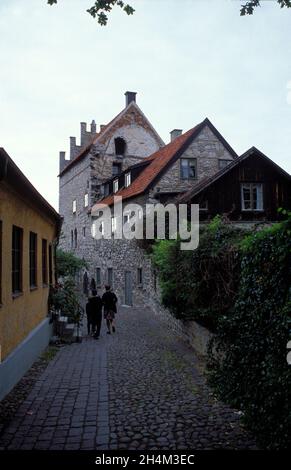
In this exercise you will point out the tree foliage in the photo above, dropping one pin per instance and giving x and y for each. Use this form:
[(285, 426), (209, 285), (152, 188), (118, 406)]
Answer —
[(101, 8), (67, 264), (201, 284), (249, 7)]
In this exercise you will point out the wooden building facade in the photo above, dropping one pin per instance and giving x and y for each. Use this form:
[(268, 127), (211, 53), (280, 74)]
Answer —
[(250, 188)]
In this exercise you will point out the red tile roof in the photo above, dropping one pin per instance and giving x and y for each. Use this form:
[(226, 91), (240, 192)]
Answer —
[(158, 162)]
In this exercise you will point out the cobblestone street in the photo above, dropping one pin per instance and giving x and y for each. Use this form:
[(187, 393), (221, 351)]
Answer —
[(140, 388)]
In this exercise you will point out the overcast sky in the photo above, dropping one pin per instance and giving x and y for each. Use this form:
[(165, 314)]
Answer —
[(186, 59)]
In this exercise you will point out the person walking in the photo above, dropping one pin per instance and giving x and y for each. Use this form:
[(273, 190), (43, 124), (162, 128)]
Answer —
[(109, 300), (94, 314)]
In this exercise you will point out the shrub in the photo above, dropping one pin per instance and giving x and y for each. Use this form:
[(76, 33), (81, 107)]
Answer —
[(200, 284), (67, 264), (248, 368)]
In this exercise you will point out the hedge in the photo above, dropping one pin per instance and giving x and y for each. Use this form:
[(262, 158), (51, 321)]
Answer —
[(239, 285)]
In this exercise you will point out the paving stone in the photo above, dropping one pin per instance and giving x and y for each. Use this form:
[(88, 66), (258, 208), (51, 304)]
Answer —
[(130, 391)]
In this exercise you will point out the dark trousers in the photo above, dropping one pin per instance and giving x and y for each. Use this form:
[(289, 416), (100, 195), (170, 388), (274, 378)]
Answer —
[(89, 326), (97, 324)]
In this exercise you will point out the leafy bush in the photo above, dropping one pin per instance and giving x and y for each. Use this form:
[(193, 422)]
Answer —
[(64, 296), (67, 264), (200, 284), (247, 365), (239, 284)]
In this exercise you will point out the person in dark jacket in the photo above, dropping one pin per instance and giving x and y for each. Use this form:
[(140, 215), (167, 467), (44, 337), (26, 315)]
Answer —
[(109, 300), (94, 314)]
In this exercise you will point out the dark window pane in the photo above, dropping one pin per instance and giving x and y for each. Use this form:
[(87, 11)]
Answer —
[(32, 259), (44, 261), (110, 276), (98, 276), (17, 240)]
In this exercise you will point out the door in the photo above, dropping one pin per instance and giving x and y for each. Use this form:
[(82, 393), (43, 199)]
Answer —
[(128, 288)]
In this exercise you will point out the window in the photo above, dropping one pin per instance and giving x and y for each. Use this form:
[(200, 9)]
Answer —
[(223, 163), (116, 168), (0, 261), (252, 196), (98, 276), (120, 146), (32, 259), (125, 218), (75, 238), (50, 264), (106, 189), (113, 224), (102, 228), (110, 276), (188, 168), (127, 179), (74, 206), (86, 200), (17, 243), (44, 261), (139, 276), (203, 205), (115, 186), (84, 232)]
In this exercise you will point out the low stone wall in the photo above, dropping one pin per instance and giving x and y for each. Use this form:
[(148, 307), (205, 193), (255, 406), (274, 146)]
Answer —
[(194, 334)]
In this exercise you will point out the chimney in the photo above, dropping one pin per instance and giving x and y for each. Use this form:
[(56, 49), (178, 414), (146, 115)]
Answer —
[(93, 127), (102, 127), (83, 133), (129, 97), (62, 160), (72, 147), (175, 133)]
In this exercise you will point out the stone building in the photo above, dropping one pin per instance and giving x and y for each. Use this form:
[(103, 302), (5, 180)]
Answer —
[(127, 158)]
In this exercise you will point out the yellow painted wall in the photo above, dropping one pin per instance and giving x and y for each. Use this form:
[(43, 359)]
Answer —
[(20, 315)]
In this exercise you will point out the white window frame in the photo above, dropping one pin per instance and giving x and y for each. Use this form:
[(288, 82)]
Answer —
[(115, 185), (251, 186), (113, 224), (127, 179), (74, 206), (86, 200)]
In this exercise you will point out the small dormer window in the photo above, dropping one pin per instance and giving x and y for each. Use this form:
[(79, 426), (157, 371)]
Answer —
[(86, 200), (127, 179), (74, 206), (120, 146), (106, 189), (115, 186), (116, 168)]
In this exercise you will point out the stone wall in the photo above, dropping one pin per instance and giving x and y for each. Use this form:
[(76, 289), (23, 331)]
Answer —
[(74, 184), (207, 150), (194, 334)]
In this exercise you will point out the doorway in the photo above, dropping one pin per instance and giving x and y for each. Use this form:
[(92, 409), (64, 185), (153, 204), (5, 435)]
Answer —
[(128, 288)]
